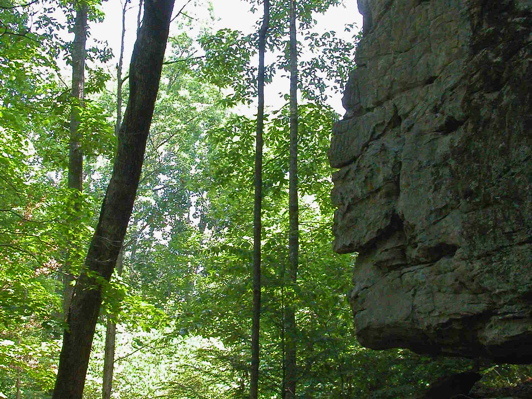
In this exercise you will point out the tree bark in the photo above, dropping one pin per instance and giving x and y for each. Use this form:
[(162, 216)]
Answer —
[(18, 387), (119, 68), (109, 358), (145, 72), (257, 212), (75, 153), (290, 326), (110, 343), (75, 165), (110, 330)]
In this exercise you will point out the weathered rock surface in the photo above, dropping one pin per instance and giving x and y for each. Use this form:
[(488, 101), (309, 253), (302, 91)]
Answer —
[(434, 183)]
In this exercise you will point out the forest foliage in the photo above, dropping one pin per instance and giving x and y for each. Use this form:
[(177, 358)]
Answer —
[(183, 301)]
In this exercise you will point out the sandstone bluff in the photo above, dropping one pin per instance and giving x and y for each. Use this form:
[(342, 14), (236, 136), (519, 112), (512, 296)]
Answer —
[(434, 182)]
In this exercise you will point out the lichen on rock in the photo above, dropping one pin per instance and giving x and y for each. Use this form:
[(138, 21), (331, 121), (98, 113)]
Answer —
[(434, 182)]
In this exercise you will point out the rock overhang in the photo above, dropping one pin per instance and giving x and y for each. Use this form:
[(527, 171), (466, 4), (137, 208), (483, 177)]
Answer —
[(433, 189)]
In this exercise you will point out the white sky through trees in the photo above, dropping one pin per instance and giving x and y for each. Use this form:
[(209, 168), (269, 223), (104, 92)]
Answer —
[(233, 14)]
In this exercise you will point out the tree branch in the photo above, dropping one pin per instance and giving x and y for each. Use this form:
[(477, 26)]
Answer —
[(19, 5), (24, 35), (181, 10), (199, 57)]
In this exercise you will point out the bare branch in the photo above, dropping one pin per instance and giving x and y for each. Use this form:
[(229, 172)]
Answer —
[(199, 57), (181, 10)]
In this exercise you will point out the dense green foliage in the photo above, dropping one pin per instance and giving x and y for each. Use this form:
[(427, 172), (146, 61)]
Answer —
[(183, 303)]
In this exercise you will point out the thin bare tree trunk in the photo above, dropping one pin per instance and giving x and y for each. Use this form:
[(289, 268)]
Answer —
[(75, 153), (109, 358), (75, 167), (257, 212), (145, 73), (119, 70), (110, 343), (18, 387), (110, 330), (293, 238)]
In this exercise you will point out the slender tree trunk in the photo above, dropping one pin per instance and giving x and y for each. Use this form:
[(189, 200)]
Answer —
[(75, 154), (257, 218), (293, 238), (109, 358), (110, 331), (145, 73), (283, 333), (139, 15), (18, 387), (75, 167), (110, 343), (119, 68)]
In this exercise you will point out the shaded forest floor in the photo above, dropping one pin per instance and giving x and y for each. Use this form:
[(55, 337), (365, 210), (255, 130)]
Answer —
[(523, 390)]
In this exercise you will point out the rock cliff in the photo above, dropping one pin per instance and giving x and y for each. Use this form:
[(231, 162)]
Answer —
[(434, 183)]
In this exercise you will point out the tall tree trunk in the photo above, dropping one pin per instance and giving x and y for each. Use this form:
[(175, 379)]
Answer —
[(110, 330), (75, 166), (293, 211), (75, 153), (119, 70), (109, 358), (145, 73), (257, 212), (18, 387), (110, 342)]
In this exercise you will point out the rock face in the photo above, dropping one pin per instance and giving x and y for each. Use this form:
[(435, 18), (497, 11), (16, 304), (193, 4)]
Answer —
[(434, 183)]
